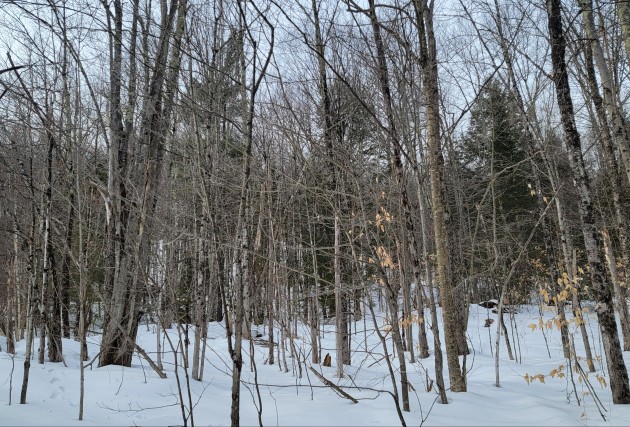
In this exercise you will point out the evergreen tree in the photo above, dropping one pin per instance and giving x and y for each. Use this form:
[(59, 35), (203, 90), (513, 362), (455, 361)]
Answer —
[(494, 153), (499, 192)]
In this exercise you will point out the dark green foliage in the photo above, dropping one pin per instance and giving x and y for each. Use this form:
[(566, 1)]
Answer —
[(498, 192), (493, 149)]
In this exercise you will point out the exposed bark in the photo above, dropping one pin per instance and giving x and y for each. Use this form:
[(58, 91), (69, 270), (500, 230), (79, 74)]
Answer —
[(122, 290), (341, 325), (621, 131), (397, 167), (618, 374), (621, 303), (31, 301), (241, 256), (623, 12), (441, 215), (612, 171)]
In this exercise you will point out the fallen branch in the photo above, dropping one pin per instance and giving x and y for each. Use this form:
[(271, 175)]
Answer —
[(146, 357), (332, 385)]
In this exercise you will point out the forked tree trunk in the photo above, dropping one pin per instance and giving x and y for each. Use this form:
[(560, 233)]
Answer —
[(127, 246)]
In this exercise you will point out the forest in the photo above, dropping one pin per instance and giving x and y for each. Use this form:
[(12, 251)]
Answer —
[(276, 183)]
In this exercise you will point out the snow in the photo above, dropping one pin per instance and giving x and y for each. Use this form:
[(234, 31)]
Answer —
[(117, 395)]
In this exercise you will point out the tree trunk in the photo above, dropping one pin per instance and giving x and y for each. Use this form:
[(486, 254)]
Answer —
[(621, 303), (127, 246), (618, 374), (612, 172), (31, 302), (241, 256), (423, 351), (546, 225), (441, 215), (199, 302), (341, 325), (623, 12)]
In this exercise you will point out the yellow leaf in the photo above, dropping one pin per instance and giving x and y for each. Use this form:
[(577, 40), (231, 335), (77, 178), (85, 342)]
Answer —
[(532, 326), (545, 294), (539, 377)]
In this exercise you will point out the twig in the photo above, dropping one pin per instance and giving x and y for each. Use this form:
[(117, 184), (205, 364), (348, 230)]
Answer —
[(598, 403), (122, 380)]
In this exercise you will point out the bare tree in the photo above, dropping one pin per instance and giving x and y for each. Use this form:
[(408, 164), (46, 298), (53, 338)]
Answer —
[(616, 366), (441, 215)]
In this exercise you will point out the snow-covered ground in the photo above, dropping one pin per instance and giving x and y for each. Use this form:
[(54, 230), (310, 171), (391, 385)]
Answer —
[(116, 395)]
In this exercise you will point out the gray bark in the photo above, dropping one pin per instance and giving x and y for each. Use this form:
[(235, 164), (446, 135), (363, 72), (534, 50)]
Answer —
[(441, 215), (618, 374)]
